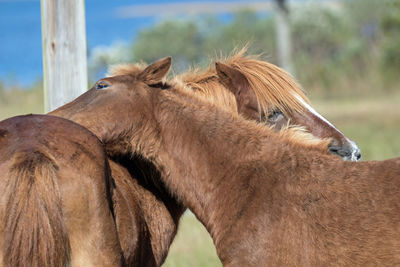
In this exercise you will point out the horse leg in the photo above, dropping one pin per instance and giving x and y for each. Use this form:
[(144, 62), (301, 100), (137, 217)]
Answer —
[(89, 220)]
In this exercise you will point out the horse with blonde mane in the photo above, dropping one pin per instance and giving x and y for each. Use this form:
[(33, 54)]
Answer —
[(273, 98), (266, 198), (55, 205)]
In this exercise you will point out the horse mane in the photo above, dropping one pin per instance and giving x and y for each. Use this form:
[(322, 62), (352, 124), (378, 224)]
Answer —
[(271, 84), (205, 84), (125, 69)]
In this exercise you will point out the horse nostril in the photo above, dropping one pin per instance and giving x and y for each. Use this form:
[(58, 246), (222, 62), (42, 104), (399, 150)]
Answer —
[(357, 155)]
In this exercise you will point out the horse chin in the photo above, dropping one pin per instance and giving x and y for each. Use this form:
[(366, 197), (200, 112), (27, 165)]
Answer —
[(350, 158)]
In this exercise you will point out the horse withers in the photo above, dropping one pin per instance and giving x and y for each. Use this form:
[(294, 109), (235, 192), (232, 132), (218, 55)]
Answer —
[(55, 205)]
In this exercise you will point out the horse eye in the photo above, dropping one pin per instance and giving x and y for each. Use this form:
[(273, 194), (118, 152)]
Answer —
[(101, 85), (275, 115)]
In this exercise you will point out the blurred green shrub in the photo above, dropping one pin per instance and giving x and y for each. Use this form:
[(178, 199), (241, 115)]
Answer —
[(188, 41), (391, 41), (348, 48)]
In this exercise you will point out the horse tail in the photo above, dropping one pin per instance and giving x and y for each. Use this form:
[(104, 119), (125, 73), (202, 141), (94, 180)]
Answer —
[(34, 231)]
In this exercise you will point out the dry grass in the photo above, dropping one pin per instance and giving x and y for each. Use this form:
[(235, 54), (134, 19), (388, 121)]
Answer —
[(374, 123), (192, 246), (19, 102)]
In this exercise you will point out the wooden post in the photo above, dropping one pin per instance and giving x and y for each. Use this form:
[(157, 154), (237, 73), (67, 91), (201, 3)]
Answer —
[(64, 51), (283, 36)]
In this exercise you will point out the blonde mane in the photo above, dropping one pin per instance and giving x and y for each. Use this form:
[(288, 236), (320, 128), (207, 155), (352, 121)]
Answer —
[(205, 84), (272, 85), (294, 135), (125, 69)]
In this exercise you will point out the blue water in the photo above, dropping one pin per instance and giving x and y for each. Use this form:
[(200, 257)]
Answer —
[(21, 40)]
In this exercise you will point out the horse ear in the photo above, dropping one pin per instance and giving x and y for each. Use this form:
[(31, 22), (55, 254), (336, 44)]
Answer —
[(155, 72), (237, 83), (231, 78)]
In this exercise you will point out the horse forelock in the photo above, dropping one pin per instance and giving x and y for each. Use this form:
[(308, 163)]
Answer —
[(272, 85)]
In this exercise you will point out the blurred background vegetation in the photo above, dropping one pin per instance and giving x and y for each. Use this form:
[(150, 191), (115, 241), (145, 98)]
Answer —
[(345, 55)]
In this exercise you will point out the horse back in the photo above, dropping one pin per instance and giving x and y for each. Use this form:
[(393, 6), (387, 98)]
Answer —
[(55, 205)]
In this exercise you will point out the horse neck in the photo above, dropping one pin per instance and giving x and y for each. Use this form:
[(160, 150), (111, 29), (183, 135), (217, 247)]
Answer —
[(201, 146), (117, 137)]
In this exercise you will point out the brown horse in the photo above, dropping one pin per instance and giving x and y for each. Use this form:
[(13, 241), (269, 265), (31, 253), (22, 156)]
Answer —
[(146, 215), (273, 97), (266, 198), (55, 206)]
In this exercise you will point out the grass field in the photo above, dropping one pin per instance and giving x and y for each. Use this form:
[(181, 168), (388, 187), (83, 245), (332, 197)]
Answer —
[(373, 122), (18, 102), (192, 246)]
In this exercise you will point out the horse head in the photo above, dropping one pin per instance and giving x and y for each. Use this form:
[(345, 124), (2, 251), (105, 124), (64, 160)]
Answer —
[(283, 108), (110, 109)]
